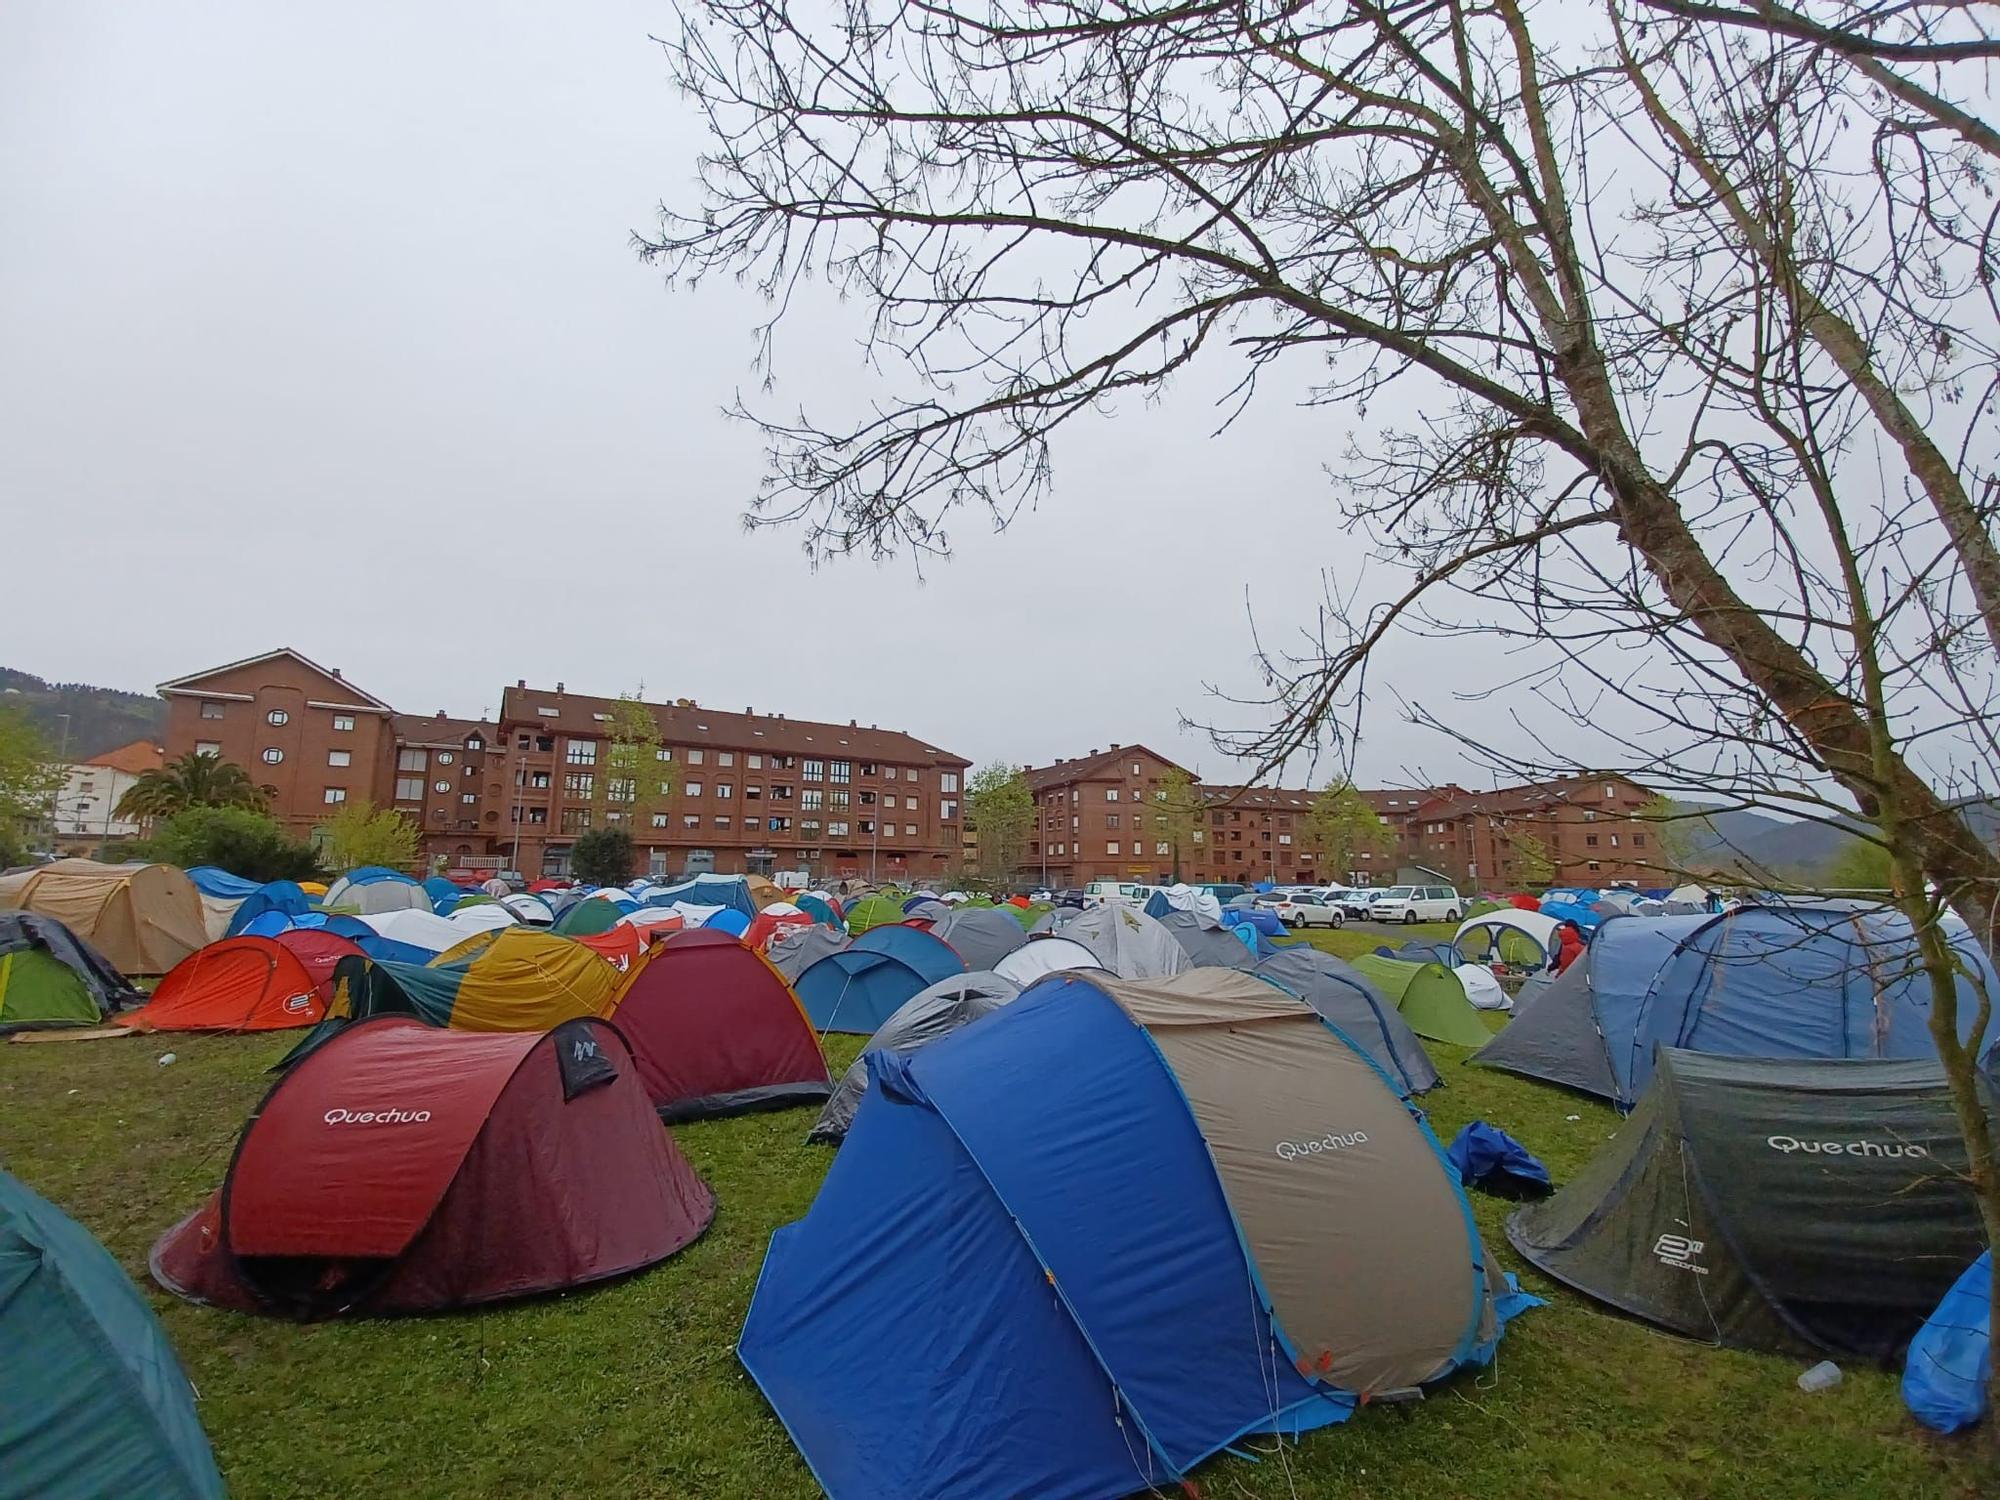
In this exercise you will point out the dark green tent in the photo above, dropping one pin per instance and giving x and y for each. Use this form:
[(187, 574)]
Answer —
[(1799, 1206), (92, 1400), (51, 977), (589, 917)]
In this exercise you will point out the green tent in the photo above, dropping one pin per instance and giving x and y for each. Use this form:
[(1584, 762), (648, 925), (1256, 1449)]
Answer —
[(1028, 916), (466, 902), (1430, 999), (873, 911), (588, 918), (49, 977), (92, 1400)]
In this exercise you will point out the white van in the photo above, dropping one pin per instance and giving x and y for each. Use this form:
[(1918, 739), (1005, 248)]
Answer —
[(1116, 892), (1416, 903)]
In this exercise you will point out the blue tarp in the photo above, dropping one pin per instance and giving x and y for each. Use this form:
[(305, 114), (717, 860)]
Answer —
[(860, 987), (283, 897), (1951, 1358), (211, 881), (1489, 1158)]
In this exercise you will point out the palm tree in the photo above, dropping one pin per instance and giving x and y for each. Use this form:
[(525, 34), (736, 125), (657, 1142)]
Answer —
[(198, 780)]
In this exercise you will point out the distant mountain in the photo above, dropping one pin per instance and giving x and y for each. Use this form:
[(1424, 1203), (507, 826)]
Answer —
[(1728, 839), (100, 718)]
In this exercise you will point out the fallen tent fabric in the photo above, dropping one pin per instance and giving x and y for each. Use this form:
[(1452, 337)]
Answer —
[(1430, 998), (1830, 980), (1042, 956), (1185, 898), (715, 1030), (1120, 1314), (860, 987), (947, 1006), (400, 1168), (144, 919), (51, 978), (1798, 1206), (792, 953), (1207, 942), (1951, 1358), (1487, 1157), (96, 1403), (238, 984), (1348, 1001), (1126, 941)]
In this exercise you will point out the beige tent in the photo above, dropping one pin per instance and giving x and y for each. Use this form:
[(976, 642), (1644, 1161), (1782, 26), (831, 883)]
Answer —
[(144, 918), (765, 892)]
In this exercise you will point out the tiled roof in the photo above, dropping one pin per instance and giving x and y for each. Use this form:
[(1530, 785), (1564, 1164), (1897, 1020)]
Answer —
[(691, 724), (134, 759), (1085, 767), (194, 680), (438, 729)]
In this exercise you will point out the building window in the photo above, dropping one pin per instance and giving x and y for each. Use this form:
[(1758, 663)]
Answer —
[(1590, 840), (660, 820), (1638, 841), (725, 758), (1111, 847), (780, 825), (725, 789), (664, 753), (813, 770), (909, 830), (1199, 836), (868, 768), (578, 783), (339, 758), (412, 760), (538, 815), (1160, 848), (210, 709), (1614, 841), (812, 799), (1592, 865), (1135, 768), (722, 822), (1284, 838), (208, 747), (840, 771), (909, 773), (335, 795), (277, 716), (273, 755), (867, 799), (575, 819), (866, 826), (444, 757), (947, 810), (693, 789), (468, 798), (475, 743), (409, 788), (441, 787), (752, 791), (836, 830), (539, 779), (1610, 791), (343, 723), (948, 781), (1111, 820), (690, 820), (581, 753), (754, 762), (838, 798), (1111, 794), (621, 789), (781, 793), (696, 757), (909, 804)]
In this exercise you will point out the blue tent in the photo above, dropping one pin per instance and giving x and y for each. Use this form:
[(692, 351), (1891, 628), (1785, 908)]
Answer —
[(820, 910), (444, 895), (1586, 918), (211, 881), (708, 890), (356, 931), (283, 897), (1032, 1270), (94, 1402), (1826, 979), (860, 987), (728, 920)]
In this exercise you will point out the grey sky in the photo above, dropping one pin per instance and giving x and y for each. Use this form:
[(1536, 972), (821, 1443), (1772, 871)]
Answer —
[(322, 328)]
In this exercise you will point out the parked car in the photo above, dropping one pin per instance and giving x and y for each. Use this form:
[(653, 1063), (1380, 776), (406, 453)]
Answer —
[(1302, 909), (1071, 895), (1117, 893), (1416, 903), (1346, 900)]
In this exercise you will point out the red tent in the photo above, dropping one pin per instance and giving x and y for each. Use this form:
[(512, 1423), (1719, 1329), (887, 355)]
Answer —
[(618, 945), (715, 1030), (408, 1168), (1521, 902), (319, 950), (238, 984), (768, 924), (535, 888)]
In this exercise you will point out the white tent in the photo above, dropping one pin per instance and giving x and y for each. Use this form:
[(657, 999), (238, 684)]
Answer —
[(1045, 955), (1129, 943), (530, 909), (483, 916), (1481, 988), (1486, 937), (420, 929), (376, 896)]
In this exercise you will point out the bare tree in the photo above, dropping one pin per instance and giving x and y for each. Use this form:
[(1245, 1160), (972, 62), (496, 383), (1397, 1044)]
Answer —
[(1693, 302)]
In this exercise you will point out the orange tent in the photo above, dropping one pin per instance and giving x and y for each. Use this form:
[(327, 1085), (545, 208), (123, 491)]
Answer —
[(618, 945), (767, 924), (239, 984)]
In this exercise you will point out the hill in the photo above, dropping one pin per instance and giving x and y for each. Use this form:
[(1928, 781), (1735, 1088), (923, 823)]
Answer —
[(1729, 839), (100, 718)]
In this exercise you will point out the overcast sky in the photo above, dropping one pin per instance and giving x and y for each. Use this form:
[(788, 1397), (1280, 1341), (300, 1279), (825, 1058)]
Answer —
[(322, 328)]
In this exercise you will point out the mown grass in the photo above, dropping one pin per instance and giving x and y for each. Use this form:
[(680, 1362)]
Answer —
[(634, 1389)]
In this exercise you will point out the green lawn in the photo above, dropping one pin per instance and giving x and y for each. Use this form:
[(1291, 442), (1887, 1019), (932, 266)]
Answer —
[(634, 1390)]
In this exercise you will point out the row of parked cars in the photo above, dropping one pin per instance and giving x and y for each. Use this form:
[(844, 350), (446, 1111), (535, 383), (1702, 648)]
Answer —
[(1305, 906)]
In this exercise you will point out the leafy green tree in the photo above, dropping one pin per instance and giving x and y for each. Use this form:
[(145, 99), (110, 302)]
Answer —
[(603, 856), (632, 781), (1177, 814), (363, 834), (29, 779), (193, 780), (1340, 827), (236, 839), (1000, 809), (1860, 865)]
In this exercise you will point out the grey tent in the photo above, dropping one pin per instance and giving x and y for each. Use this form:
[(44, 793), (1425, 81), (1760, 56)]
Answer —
[(981, 935), (922, 1019), (1207, 943), (1051, 922), (1129, 943), (796, 949), (1350, 1001), (1801, 1206), (1554, 1035), (928, 911)]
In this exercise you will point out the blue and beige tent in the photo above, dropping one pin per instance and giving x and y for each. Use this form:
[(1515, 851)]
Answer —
[(373, 889), (1105, 1232)]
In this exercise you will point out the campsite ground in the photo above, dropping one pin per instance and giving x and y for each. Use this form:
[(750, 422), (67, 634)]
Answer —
[(634, 1389)]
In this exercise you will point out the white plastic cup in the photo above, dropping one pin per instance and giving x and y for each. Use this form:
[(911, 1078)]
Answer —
[(1823, 1376)]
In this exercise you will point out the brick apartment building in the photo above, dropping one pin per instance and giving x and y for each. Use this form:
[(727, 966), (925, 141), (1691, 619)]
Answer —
[(755, 792), (1587, 828)]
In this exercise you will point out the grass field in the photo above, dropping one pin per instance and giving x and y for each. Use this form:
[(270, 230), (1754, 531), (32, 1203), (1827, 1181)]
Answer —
[(634, 1390)]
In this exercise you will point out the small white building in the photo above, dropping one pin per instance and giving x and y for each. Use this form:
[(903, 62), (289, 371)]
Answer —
[(92, 789)]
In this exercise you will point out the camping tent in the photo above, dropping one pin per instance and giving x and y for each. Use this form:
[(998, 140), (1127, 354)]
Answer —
[(1804, 1207), (872, 911), (1188, 898), (144, 919), (410, 935), (321, 951), (1041, 956), (49, 977), (482, 916), (1089, 1296), (238, 984), (444, 895), (536, 911), (1832, 979), (945, 1007), (212, 880), (981, 935), (401, 1168), (1519, 939), (1348, 1001), (283, 896), (860, 987), (96, 1403), (793, 952), (373, 889), (732, 891), (820, 909), (1206, 941), (1126, 941), (1483, 990), (771, 921), (592, 914), (714, 1030), (1430, 999), (763, 891)]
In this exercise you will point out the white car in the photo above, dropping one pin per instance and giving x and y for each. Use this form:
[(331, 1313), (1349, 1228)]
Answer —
[(1416, 903), (1301, 909), (1350, 902)]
